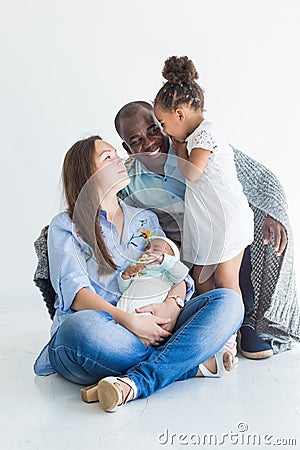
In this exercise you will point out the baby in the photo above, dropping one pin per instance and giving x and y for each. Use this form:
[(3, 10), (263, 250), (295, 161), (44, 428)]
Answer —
[(151, 278)]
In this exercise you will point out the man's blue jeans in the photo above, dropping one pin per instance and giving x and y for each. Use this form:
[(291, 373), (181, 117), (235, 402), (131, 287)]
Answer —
[(90, 345), (247, 288)]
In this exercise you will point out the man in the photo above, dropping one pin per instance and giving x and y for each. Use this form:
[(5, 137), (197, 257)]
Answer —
[(156, 181), (266, 277)]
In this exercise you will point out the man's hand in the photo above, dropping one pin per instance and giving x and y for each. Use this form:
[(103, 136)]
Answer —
[(271, 226)]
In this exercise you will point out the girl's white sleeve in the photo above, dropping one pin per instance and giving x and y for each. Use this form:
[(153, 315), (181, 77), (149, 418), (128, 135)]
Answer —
[(204, 139)]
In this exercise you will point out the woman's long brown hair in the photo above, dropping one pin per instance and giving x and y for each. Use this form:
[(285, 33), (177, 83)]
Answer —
[(82, 198)]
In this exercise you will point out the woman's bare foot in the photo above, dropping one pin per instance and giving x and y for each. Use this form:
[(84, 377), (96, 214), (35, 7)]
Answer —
[(210, 364)]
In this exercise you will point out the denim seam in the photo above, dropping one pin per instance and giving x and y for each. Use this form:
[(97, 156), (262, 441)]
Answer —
[(87, 358)]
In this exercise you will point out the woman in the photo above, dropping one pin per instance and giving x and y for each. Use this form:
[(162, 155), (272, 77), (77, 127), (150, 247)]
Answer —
[(88, 245)]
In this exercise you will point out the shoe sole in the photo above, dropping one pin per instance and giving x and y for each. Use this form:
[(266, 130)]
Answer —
[(89, 394), (257, 355), (108, 395)]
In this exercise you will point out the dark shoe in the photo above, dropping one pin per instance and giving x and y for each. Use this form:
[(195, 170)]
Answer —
[(251, 345)]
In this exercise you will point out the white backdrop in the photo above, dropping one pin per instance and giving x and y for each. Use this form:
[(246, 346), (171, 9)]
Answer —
[(67, 66)]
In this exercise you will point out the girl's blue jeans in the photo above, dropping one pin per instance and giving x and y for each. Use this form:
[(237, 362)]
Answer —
[(90, 345)]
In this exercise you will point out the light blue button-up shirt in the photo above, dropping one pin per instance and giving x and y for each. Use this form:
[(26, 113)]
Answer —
[(163, 194), (73, 265)]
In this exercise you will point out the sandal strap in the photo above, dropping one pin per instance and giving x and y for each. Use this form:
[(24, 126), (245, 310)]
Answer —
[(132, 389), (219, 364)]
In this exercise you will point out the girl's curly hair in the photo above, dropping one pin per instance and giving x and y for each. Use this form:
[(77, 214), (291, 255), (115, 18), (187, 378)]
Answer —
[(181, 87)]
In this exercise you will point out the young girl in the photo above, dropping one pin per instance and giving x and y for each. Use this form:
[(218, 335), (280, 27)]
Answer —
[(218, 222)]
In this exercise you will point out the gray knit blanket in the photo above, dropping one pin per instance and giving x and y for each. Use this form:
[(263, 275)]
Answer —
[(277, 317), (41, 276), (277, 314)]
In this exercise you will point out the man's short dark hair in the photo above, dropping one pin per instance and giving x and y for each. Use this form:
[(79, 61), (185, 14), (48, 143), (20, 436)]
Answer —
[(129, 110)]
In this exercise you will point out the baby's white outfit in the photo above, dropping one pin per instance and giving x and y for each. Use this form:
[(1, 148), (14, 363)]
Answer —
[(152, 286), (218, 222)]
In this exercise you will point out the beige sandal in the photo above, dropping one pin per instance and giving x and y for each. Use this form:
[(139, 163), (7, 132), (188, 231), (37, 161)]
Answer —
[(111, 394), (89, 394)]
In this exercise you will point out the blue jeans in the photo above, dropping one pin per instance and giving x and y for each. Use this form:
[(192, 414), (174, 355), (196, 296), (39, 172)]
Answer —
[(90, 345)]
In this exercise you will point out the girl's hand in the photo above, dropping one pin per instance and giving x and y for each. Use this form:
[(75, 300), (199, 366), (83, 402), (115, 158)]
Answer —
[(174, 145), (148, 329), (133, 270), (179, 148)]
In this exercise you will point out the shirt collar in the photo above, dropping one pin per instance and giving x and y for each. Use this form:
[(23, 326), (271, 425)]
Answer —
[(171, 162)]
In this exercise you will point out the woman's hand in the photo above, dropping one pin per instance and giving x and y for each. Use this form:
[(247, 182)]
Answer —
[(168, 308), (271, 226), (148, 329)]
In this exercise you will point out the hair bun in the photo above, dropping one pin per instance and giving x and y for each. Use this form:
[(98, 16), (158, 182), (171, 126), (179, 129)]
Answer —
[(179, 69)]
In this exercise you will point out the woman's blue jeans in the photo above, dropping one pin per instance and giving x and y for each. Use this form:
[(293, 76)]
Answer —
[(90, 345)]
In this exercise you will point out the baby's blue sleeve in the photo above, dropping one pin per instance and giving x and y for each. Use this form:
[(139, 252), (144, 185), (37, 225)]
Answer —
[(68, 271), (123, 284), (175, 270)]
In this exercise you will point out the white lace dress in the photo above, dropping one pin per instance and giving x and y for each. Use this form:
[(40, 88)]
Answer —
[(218, 222)]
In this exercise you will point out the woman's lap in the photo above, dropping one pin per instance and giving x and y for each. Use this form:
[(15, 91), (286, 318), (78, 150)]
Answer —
[(90, 345)]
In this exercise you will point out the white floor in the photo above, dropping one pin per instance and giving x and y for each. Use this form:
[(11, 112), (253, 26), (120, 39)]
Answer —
[(258, 403)]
